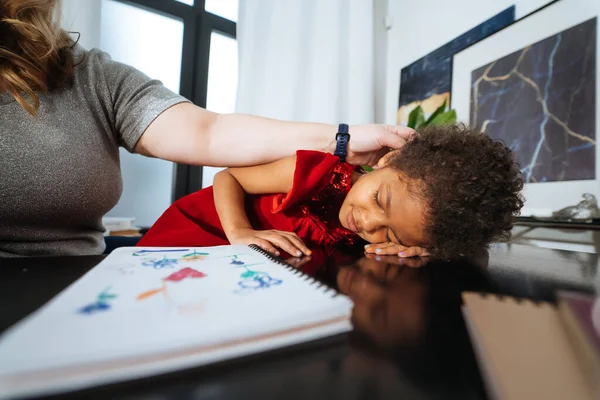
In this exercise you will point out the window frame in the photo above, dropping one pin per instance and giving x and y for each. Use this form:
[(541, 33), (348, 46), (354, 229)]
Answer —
[(198, 25)]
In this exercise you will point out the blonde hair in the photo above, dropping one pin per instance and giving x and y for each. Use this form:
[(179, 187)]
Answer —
[(35, 53)]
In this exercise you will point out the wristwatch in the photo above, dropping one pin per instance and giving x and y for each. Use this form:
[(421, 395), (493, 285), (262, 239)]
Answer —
[(342, 138)]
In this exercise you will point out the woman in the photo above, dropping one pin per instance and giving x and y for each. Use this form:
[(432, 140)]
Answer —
[(65, 111)]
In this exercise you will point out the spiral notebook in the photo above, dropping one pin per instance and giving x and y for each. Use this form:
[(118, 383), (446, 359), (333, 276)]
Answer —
[(146, 311)]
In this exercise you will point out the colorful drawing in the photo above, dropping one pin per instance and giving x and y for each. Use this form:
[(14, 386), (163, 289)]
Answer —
[(182, 274), (146, 252), (160, 263), (102, 303), (258, 280), (253, 280), (194, 256)]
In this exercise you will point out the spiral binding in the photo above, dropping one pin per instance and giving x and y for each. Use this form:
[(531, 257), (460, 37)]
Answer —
[(295, 271)]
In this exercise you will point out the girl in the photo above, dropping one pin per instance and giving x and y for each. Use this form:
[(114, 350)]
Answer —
[(450, 191), (65, 111)]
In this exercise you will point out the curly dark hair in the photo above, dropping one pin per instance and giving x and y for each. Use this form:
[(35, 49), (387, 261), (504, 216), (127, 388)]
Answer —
[(470, 183)]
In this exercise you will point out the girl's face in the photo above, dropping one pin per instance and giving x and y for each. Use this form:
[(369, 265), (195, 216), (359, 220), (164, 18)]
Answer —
[(379, 208)]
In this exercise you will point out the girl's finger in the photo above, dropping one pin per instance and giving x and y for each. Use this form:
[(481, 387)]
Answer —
[(384, 248), (295, 239), (413, 251), (372, 247), (265, 245), (284, 244)]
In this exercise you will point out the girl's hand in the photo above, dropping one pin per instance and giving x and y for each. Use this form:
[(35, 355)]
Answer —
[(270, 240), (390, 248)]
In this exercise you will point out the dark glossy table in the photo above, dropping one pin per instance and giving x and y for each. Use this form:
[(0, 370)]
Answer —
[(410, 339)]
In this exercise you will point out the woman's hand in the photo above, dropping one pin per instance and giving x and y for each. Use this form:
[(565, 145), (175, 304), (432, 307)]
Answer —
[(389, 248), (270, 240), (368, 143)]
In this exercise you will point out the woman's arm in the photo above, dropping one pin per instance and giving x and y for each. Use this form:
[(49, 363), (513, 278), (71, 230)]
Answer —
[(189, 134), (230, 188)]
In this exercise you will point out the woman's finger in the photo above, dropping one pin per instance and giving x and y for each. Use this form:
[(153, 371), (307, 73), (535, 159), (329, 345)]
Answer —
[(403, 132), (396, 137)]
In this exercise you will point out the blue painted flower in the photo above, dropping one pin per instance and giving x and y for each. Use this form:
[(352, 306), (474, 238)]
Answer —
[(161, 263)]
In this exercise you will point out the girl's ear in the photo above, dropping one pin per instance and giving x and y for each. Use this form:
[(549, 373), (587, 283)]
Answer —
[(385, 160)]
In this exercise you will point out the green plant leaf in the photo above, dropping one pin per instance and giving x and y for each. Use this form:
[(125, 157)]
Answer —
[(447, 118), (367, 168), (416, 118), (420, 121), (437, 112)]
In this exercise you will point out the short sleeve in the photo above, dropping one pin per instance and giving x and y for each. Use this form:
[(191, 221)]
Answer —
[(134, 100), (314, 172)]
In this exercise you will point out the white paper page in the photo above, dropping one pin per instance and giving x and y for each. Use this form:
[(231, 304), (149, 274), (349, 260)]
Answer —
[(143, 301)]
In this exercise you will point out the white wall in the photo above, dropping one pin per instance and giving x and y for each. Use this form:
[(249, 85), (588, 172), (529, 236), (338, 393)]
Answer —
[(83, 16), (421, 26), (380, 54)]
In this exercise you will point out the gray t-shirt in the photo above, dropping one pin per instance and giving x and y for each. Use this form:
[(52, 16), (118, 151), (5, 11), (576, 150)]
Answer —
[(60, 172)]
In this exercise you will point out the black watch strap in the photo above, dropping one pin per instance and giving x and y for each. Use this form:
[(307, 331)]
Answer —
[(342, 138)]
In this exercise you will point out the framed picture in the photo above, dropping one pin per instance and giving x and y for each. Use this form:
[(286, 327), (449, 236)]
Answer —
[(426, 82), (534, 85)]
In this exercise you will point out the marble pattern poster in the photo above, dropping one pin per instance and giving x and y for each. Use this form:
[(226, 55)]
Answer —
[(427, 81), (541, 101)]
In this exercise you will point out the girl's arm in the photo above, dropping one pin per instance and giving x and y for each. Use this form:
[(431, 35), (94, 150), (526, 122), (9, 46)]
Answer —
[(230, 187)]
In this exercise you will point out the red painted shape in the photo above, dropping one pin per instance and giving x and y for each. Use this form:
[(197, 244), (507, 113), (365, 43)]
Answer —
[(183, 274)]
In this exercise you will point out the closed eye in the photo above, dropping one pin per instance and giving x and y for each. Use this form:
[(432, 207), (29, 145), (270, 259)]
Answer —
[(376, 196)]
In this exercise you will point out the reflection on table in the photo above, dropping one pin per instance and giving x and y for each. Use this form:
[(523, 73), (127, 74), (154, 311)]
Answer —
[(410, 339)]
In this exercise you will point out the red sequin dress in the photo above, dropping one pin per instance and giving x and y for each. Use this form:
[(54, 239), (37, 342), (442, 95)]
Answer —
[(311, 208)]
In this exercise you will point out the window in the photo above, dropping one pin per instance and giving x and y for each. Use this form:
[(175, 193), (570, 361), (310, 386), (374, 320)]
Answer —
[(227, 9), (222, 84), (191, 46), (153, 44)]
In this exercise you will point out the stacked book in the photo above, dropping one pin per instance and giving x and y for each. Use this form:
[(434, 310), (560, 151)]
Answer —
[(529, 350)]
